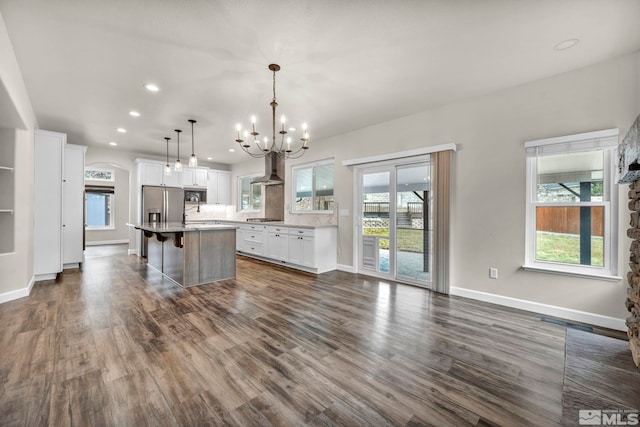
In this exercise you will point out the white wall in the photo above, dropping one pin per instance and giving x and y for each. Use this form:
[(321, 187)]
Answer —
[(488, 203), (16, 269)]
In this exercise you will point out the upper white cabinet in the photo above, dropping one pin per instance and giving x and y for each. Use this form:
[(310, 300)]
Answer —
[(194, 177), (151, 172), (48, 166), (73, 205), (7, 189), (219, 188)]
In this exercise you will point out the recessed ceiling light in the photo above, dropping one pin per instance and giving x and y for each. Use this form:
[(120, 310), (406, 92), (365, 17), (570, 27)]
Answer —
[(566, 44), (231, 150), (113, 143), (209, 158), (151, 87), (122, 130), (292, 129), (134, 113)]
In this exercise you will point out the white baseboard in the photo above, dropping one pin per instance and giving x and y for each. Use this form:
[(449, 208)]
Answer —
[(549, 310), (40, 277), (18, 293), (106, 242), (132, 252), (71, 265), (345, 268)]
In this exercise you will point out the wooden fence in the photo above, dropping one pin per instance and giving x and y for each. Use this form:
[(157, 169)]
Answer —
[(566, 219)]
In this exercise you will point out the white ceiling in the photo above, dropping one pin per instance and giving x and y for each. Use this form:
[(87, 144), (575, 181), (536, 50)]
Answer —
[(345, 64)]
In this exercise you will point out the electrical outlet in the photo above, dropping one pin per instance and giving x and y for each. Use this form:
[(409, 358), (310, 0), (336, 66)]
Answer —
[(493, 273)]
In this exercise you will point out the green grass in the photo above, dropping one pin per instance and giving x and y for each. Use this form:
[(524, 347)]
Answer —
[(409, 240), (554, 247), (566, 248)]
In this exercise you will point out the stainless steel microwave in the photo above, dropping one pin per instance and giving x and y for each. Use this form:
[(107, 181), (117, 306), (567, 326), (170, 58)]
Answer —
[(195, 196)]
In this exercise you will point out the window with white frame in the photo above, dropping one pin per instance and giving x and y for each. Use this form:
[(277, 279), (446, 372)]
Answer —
[(99, 207), (98, 174), (249, 195), (312, 187), (572, 204)]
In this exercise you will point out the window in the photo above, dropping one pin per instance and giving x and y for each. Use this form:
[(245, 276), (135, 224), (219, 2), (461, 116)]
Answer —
[(98, 174), (313, 187), (571, 204), (99, 203), (249, 195)]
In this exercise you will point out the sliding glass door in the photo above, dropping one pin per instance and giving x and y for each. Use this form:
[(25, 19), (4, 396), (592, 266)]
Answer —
[(394, 221)]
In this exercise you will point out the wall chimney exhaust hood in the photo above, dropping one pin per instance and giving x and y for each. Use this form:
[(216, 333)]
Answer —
[(271, 176)]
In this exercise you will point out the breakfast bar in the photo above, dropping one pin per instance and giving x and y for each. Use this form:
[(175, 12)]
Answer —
[(191, 254)]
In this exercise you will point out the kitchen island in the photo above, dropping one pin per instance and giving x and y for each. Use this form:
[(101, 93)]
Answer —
[(191, 254)]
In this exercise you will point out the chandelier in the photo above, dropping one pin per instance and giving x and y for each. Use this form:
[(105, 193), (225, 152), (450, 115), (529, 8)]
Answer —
[(252, 145)]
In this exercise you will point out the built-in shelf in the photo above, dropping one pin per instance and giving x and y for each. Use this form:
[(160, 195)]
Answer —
[(7, 190)]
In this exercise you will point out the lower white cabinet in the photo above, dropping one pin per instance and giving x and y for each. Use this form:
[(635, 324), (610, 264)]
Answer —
[(278, 244), (302, 250), (250, 239), (309, 249)]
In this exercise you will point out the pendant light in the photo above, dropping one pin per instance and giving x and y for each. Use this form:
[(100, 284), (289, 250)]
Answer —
[(178, 166), (193, 160), (167, 167)]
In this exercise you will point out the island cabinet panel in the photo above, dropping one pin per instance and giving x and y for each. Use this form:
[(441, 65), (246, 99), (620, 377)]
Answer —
[(192, 260), (173, 258), (219, 262), (191, 254)]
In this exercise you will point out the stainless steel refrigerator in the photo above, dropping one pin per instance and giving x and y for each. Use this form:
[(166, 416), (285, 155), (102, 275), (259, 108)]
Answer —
[(161, 204)]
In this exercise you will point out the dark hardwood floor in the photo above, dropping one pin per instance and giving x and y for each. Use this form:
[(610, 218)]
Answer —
[(115, 344)]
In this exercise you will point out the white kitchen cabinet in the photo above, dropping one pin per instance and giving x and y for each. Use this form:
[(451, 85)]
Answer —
[(224, 188), (219, 188), (278, 243), (73, 205), (151, 172), (250, 239), (7, 190), (302, 247), (312, 249), (194, 177), (47, 233)]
